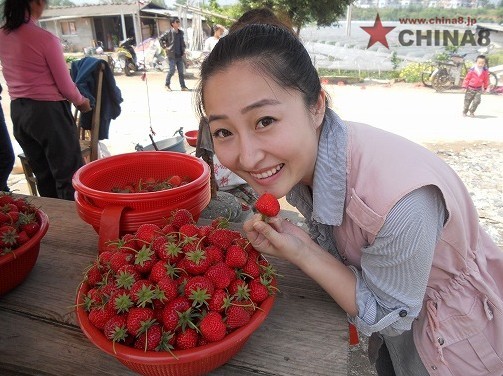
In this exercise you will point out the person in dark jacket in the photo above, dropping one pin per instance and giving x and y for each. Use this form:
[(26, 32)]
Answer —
[(174, 44), (6, 152)]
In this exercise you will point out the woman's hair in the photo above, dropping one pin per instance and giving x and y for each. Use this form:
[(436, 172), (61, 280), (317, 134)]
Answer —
[(271, 50), (258, 16), (15, 13)]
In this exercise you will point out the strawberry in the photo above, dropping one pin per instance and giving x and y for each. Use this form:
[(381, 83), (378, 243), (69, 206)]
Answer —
[(99, 316), (146, 232), (167, 251), (115, 328), (212, 327), (259, 290), (196, 262), (168, 289), (220, 275), (187, 339), (215, 254), (175, 181), (143, 292), (189, 230), (119, 259), (236, 256), (150, 339), (126, 276), (172, 311), (93, 276), (236, 317), (181, 217), (121, 300), (199, 290), (158, 271), (8, 236), (22, 237), (139, 319), (251, 268), (219, 301), (268, 205), (223, 237), (145, 259)]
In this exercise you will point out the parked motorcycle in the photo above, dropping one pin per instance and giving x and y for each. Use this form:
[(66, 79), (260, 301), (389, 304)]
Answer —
[(126, 57)]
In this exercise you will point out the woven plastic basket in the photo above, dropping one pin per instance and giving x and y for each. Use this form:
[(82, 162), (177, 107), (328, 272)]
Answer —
[(95, 180), (15, 266), (198, 361)]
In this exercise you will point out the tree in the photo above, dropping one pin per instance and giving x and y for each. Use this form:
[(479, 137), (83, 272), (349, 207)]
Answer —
[(62, 3), (302, 12)]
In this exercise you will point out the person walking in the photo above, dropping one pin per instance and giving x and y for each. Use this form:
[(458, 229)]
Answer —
[(7, 156), (41, 90), (174, 44), (394, 236), (475, 82)]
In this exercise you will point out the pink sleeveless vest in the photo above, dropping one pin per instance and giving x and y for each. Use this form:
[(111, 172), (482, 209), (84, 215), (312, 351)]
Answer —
[(459, 330)]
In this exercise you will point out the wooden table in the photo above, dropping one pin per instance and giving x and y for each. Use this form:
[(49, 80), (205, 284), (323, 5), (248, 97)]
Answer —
[(306, 333)]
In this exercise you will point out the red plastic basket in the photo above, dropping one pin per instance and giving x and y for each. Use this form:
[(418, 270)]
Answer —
[(95, 180), (193, 362), (191, 137), (131, 219), (15, 266)]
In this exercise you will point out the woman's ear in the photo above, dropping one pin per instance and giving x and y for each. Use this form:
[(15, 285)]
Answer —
[(320, 108)]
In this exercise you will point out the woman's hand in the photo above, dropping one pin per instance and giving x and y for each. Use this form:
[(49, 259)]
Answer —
[(278, 237), (84, 106)]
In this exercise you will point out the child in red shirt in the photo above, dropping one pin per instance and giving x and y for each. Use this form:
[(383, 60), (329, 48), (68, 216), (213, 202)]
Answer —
[(476, 81)]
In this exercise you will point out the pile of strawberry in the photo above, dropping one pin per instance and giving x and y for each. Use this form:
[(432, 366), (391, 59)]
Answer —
[(176, 287), (152, 185), (18, 222)]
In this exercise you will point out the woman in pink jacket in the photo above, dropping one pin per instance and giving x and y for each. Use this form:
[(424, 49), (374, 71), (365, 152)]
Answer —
[(475, 82), (41, 89), (394, 237)]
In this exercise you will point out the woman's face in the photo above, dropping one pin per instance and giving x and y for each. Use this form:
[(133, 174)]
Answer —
[(261, 131)]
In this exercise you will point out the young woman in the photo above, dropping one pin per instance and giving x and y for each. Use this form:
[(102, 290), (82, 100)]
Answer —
[(41, 90), (394, 237)]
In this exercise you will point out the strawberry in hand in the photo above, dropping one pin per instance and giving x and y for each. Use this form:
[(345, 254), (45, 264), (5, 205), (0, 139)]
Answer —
[(267, 205)]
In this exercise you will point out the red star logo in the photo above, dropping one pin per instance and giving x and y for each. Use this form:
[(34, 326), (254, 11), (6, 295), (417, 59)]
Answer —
[(377, 32)]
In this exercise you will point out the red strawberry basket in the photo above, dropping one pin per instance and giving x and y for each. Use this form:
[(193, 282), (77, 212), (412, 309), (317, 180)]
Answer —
[(193, 362), (16, 265), (112, 213), (96, 180)]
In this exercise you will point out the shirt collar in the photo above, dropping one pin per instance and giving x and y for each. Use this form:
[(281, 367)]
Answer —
[(326, 203)]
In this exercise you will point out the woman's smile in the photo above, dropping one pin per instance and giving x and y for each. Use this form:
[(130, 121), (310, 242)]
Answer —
[(268, 173)]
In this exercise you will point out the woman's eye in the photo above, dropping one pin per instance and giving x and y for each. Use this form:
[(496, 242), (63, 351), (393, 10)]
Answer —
[(265, 122), (220, 133)]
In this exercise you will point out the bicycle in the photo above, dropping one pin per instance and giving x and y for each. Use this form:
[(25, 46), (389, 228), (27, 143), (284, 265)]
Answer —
[(448, 74)]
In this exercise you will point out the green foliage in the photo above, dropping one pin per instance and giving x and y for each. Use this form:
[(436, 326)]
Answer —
[(302, 12), (495, 58), (70, 58), (412, 72), (61, 3), (395, 60)]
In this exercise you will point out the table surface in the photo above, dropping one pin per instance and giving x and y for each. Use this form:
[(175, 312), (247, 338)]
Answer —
[(306, 333)]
